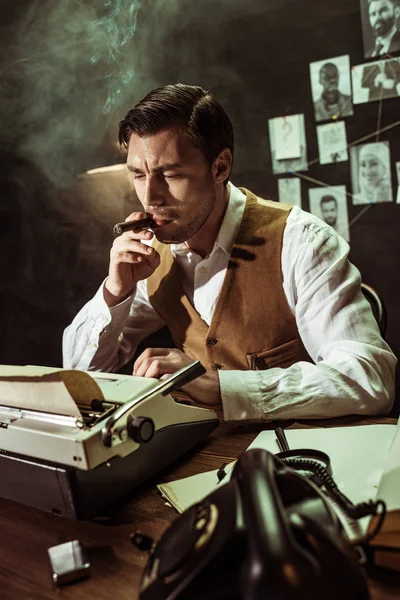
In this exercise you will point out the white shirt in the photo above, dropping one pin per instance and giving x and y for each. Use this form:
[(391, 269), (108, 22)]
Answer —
[(354, 370)]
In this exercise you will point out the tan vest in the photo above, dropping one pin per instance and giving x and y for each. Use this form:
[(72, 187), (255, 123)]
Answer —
[(252, 326)]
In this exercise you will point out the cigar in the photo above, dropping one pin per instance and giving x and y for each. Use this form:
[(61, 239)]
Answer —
[(134, 225)]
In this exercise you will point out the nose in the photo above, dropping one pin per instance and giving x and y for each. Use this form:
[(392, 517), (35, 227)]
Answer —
[(153, 195), (367, 169)]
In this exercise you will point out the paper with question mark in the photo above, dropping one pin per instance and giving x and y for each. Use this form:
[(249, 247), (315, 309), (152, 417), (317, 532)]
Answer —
[(287, 137)]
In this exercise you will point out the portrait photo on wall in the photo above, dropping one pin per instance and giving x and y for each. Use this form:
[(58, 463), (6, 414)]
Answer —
[(332, 143), (330, 205), (331, 88), (370, 173), (380, 22), (376, 80), (398, 182), (289, 190), (281, 131)]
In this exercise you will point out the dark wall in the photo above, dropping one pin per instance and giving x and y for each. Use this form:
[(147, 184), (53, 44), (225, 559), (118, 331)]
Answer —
[(253, 54)]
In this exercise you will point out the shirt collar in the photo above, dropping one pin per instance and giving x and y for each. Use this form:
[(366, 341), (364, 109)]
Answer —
[(229, 227)]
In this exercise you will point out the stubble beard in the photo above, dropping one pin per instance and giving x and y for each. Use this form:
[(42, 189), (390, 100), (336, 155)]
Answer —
[(383, 27), (184, 232)]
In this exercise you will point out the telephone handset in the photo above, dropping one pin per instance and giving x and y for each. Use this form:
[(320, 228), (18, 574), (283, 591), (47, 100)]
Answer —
[(268, 533)]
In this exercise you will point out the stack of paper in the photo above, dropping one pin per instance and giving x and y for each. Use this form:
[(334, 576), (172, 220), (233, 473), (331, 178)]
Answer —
[(358, 455), (387, 541)]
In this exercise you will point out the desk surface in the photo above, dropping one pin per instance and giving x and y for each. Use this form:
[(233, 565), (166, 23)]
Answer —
[(116, 564)]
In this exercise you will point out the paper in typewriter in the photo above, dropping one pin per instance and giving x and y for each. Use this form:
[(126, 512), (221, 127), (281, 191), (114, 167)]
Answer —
[(47, 389)]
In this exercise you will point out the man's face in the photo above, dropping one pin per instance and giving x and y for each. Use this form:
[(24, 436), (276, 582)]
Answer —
[(329, 212), (173, 182), (381, 16), (329, 79)]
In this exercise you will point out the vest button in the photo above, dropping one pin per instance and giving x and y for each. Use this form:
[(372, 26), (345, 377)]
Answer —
[(211, 341)]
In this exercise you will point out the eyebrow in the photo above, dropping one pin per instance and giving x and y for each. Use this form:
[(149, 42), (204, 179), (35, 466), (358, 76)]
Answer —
[(159, 169)]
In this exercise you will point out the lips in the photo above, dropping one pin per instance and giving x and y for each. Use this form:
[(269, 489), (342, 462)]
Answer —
[(161, 222)]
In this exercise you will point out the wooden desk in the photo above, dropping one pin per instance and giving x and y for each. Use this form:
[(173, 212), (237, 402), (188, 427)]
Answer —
[(116, 564)]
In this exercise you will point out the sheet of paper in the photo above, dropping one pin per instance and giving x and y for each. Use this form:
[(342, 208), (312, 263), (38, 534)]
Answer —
[(187, 491), (288, 165), (329, 203), (357, 454), (375, 81), (287, 137), (47, 393), (80, 384), (84, 386), (123, 388), (389, 485), (289, 189), (332, 143)]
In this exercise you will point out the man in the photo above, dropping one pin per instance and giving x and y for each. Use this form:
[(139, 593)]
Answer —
[(329, 208), (333, 103), (383, 15), (260, 292), (382, 79)]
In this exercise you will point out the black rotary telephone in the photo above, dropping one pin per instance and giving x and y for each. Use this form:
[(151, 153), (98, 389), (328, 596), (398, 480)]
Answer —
[(269, 533)]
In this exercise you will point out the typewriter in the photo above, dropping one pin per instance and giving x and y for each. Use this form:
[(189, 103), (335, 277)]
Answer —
[(77, 465)]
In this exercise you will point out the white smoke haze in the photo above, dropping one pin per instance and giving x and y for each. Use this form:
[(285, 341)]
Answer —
[(68, 71)]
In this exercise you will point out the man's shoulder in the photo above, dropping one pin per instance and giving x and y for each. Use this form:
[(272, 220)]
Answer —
[(261, 202), (308, 229), (395, 42), (284, 206), (345, 98), (320, 110)]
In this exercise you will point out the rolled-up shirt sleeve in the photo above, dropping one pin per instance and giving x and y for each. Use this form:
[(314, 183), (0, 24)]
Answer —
[(101, 338), (354, 367)]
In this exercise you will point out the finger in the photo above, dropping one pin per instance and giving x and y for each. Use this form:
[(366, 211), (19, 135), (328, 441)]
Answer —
[(165, 376), (135, 216), (149, 353), (139, 234), (129, 250), (155, 367)]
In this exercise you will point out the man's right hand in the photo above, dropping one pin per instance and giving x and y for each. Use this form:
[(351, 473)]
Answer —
[(130, 261)]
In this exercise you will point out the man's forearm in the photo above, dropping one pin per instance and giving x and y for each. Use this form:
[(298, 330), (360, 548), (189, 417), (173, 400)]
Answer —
[(308, 391)]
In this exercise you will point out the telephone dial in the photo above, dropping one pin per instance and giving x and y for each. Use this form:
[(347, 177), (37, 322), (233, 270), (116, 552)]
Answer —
[(269, 533)]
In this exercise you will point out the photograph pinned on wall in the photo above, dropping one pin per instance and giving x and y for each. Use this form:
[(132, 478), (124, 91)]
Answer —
[(330, 205), (277, 146), (370, 173), (380, 23), (398, 182), (287, 137), (289, 190), (376, 80), (332, 143), (331, 88)]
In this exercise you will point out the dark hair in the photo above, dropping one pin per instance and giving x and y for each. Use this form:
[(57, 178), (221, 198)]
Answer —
[(326, 199), (396, 3), (202, 118), (329, 67)]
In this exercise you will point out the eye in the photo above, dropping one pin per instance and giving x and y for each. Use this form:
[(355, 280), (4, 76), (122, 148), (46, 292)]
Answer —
[(174, 176), (138, 176)]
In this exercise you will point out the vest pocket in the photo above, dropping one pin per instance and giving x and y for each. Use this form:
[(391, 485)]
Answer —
[(282, 356)]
